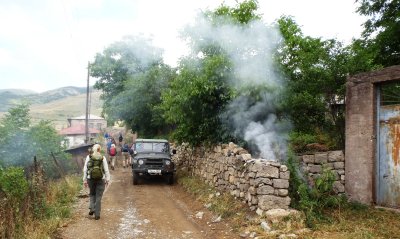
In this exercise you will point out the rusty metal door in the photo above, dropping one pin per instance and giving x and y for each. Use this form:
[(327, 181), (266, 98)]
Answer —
[(388, 145)]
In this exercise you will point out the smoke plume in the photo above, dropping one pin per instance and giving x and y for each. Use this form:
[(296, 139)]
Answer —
[(251, 48)]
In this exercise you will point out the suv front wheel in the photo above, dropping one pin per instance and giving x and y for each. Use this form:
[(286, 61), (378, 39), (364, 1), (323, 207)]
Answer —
[(135, 179), (170, 179)]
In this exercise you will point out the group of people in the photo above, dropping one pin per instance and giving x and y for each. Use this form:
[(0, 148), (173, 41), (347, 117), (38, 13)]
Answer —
[(96, 174), (112, 151)]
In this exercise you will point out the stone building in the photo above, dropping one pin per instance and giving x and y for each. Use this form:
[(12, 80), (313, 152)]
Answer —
[(95, 122), (75, 133)]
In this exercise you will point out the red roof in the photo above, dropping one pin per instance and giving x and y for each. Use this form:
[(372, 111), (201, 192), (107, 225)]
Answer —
[(77, 130)]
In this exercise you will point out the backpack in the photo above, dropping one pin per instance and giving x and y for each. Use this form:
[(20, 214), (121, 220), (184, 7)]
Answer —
[(113, 151), (125, 148), (95, 167)]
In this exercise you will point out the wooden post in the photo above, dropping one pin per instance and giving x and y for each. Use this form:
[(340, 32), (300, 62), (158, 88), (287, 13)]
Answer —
[(59, 168), (87, 109)]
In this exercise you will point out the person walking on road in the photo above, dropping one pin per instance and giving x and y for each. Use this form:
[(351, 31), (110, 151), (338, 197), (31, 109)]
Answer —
[(96, 176), (113, 155), (126, 157)]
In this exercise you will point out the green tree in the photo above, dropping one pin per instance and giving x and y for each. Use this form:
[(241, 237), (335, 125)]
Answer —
[(117, 64), (21, 141), (382, 30), (138, 104), (201, 91), (195, 99), (317, 71)]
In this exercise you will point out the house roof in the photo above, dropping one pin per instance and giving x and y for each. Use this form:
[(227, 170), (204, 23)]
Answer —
[(84, 117), (77, 129)]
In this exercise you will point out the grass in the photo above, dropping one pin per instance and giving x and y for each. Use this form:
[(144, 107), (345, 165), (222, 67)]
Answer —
[(359, 222), (223, 205), (59, 199), (354, 221)]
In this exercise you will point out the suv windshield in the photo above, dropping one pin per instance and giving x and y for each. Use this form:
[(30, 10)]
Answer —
[(152, 147)]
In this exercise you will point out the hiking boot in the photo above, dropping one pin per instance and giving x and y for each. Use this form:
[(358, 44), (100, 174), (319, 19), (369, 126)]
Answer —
[(96, 217), (91, 213)]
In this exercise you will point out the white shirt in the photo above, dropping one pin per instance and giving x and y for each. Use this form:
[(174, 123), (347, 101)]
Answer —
[(106, 174)]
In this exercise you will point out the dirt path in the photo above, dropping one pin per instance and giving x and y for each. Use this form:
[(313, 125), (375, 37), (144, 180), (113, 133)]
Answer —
[(150, 210)]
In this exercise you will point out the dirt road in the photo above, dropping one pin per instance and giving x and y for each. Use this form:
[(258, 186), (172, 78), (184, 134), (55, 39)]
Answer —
[(152, 210)]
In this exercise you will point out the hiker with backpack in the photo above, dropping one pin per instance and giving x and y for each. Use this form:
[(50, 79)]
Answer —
[(113, 154), (96, 176), (125, 156)]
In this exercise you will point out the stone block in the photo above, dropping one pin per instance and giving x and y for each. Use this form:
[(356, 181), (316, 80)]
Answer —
[(248, 196), (281, 192), (338, 187), (313, 168), (244, 187), (335, 156), (246, 157), (321, 158), (283, 168), (252, 182), (328, 166), (232, 145), (231, 179), (251, 175), (254, 200), (340, 171), (277, 214), (308, 158), (284, 175), (268, 171), (252, 190), (266, 189), (267, 202), (275, 164), (260, 181), (280, 183), (259, 212), (338, 165)]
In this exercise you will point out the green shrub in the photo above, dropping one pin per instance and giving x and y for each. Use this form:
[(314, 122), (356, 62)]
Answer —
[(312, 200), (299, 141), (13, 183)]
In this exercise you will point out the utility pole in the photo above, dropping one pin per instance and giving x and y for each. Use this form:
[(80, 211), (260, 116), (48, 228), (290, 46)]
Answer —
[(87, 108)]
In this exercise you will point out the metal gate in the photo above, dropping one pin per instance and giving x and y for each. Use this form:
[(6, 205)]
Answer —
[(388, 145)]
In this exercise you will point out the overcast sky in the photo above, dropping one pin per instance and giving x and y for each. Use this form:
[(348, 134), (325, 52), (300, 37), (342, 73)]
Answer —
[(46, 44)]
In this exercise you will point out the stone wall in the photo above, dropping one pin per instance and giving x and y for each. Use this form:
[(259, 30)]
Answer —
[(314, 164), (262, 184)]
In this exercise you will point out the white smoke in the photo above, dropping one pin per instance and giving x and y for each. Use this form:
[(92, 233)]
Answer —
[(251, 48)]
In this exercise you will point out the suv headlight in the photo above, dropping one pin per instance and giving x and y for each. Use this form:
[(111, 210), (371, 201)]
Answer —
[(140, 161), (167, 162)]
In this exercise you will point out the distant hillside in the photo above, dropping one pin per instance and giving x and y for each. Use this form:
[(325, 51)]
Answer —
[(11, 97), (58, 111), (57, 94), (54, 105)]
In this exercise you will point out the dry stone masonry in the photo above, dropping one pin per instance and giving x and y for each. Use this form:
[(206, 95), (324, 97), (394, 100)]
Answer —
[(262, 184), (314, 164)]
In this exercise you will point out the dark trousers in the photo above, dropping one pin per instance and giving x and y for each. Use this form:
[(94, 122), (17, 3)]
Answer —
[(96, 189)]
